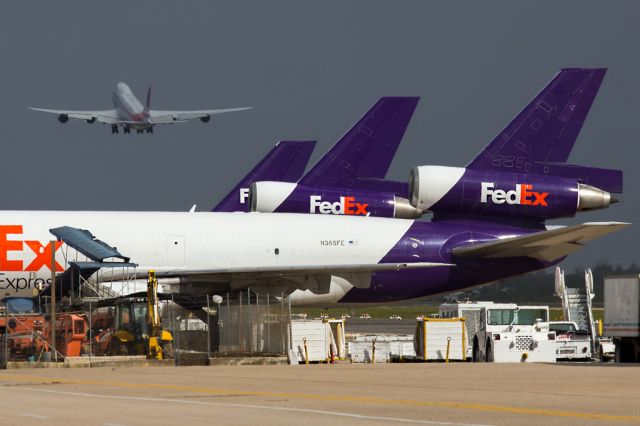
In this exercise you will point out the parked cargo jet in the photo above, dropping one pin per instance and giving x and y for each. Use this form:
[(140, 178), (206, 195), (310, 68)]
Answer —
[(359, 159), (488, 224), (129, 113), (350, 178)]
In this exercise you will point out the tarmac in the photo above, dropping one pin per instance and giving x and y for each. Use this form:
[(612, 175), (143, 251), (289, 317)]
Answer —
[(358, 394)]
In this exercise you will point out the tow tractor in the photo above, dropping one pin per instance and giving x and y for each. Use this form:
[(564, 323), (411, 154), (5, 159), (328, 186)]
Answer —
[(511, 333), (137, 327)]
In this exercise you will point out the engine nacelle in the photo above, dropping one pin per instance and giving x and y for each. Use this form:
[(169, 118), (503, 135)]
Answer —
[(91, 120), (282, 197), (487, 192), (206, 118), (63, 118)]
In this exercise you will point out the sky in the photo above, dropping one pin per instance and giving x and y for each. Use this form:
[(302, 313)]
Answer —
[(310, 69)]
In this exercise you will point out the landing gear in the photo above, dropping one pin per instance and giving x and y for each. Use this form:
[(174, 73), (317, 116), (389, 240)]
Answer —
[(114, 128), (139, 131), (126, 129), (150, 129)]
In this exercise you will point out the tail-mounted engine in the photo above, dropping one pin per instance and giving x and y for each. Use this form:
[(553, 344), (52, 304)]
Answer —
[(518, 195), (282, 197)]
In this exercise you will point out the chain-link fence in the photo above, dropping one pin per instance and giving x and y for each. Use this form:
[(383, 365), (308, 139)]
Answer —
[(251, 323), (191, 330)]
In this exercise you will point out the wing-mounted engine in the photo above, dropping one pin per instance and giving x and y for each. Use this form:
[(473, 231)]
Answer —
[(497, 193), (280, 197)]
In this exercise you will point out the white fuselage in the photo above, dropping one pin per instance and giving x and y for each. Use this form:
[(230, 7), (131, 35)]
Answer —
[(128, 106), (170, 241)]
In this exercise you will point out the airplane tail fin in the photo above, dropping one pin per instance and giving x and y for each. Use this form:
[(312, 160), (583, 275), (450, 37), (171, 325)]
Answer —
[(367, 149), (284, 163), (147, 105), (540, 138)]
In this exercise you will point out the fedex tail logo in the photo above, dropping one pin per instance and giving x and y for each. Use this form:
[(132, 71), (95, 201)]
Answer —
[(523, 194), (10, 246), (244, 194), (346, 205)]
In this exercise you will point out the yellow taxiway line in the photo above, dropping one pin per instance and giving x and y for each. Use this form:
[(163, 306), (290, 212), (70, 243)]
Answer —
[(35, 380)]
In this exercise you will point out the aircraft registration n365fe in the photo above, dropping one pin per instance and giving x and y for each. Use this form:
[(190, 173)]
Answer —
[(488, 224), (129, 113)]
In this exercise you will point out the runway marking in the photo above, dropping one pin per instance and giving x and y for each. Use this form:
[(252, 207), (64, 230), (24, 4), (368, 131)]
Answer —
[(328, 397), (234, 405)]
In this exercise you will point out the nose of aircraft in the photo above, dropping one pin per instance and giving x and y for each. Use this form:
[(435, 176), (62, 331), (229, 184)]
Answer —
[(123, 87)]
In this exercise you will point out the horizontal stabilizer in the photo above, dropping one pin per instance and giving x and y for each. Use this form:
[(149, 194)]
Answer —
[(398, 188), (546, 245), (606, 179)]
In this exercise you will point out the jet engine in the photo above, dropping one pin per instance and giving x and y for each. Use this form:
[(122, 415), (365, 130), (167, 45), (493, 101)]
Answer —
[(206, 118), (285, 197), (91, 120), (497, 193), (63, 118)]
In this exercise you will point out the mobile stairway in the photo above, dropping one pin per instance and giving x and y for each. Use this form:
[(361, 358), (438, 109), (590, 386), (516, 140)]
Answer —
[(577, 307)]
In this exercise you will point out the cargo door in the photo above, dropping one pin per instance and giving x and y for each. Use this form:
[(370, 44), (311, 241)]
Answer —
[(175, 250)]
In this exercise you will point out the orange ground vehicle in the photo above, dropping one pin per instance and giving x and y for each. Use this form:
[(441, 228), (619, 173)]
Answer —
[(29, 330), (71, 333)]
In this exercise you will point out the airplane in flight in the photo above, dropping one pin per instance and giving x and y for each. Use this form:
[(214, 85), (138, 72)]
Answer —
[(488, 224), (129, 113)]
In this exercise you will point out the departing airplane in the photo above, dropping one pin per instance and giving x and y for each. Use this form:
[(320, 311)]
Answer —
[(129, 113), (488, 224)]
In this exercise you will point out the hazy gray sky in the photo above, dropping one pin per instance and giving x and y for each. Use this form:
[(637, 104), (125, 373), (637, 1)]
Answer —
[(310, 69)]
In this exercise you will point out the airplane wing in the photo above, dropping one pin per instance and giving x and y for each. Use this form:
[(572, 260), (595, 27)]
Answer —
[(298, 277), (108, 116), (167, 117), (546, 245)]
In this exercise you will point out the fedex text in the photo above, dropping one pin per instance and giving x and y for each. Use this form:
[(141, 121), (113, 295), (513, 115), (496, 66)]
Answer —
[(346, 206), (523, 194)]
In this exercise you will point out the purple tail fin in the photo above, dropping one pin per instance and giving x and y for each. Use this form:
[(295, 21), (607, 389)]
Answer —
[(367, 149), (546, 130), (284, 163)]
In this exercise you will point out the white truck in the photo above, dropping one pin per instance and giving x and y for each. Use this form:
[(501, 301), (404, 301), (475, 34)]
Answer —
[(572, 344), (622, 315), (511, 333), (504, 332)]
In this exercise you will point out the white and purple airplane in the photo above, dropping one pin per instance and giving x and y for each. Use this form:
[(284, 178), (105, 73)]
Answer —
[(488, 224), (129, 113)]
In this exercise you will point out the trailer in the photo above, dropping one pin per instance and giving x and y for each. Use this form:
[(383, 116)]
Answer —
[(313, 340), (440, 339), (622, 315)]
